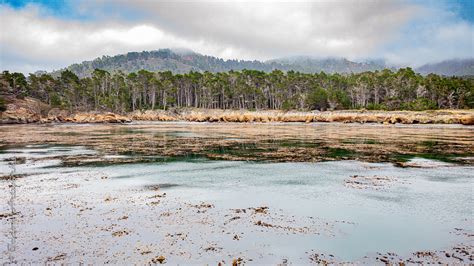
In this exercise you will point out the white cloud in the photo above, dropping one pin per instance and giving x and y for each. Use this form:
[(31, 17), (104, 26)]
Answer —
[(435, 36), (266, 30), (56, 42), (446, 42), (238, 29)]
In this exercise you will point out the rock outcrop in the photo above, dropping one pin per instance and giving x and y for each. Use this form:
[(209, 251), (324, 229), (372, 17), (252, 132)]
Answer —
[(465, 117), (86, 118), (153, 115), (98, 118), (19, 111), (468, 120), (30, 110)]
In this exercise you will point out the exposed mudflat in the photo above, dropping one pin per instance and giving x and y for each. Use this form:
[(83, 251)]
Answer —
[(155, 193)]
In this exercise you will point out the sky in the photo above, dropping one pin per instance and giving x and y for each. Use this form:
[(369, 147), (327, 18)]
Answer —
[(49, 35)]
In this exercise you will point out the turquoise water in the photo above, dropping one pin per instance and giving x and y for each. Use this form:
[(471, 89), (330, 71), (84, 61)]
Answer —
[(419, 213), (417, 210)]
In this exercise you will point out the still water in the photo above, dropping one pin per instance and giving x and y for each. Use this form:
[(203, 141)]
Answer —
[(70, 200)]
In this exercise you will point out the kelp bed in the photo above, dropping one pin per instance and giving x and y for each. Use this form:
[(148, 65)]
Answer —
[(167, 141)]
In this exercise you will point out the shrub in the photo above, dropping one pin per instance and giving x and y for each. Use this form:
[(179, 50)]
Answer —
[(374, 106), (419, 104), (56, 101), (339, 98), (288, 105), (318, 99), (3, 104)]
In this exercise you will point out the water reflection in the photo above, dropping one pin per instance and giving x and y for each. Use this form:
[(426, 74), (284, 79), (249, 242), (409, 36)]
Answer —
[(260, 142), (156, 175)]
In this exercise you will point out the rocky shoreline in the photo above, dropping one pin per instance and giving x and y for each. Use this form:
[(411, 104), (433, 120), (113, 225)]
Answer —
[(29, 110)]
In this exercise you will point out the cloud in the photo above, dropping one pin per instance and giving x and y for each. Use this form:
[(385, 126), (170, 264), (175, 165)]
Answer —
[(403, 32), (436, 34), (434, 45), (266, 30), (35, 39)]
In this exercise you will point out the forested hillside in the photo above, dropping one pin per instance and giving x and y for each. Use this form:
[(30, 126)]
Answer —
[(246, 89), (180, 62), (455, 67)]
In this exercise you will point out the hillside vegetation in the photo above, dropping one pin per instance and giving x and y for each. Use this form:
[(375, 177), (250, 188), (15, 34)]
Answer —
[(455, 67), (180, 62), (246, 89)]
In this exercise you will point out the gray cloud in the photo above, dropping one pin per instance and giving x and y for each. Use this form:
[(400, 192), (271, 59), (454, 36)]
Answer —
[(265, 30), (243, 30)]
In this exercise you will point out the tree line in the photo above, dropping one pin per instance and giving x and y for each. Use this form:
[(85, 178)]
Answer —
[(247, 89)]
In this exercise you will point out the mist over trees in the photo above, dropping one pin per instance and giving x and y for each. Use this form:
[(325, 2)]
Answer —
[(182, 62), (246, 89)]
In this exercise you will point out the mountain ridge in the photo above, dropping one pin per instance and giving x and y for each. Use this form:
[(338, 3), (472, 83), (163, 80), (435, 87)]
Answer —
[(452, 67), (180, 62)]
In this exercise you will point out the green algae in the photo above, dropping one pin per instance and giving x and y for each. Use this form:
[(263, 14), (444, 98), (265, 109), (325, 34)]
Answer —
[(339, 153)]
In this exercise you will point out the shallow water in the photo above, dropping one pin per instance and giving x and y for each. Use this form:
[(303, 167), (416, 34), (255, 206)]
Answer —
[(257, 142), (72, 213), (418, 214)]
